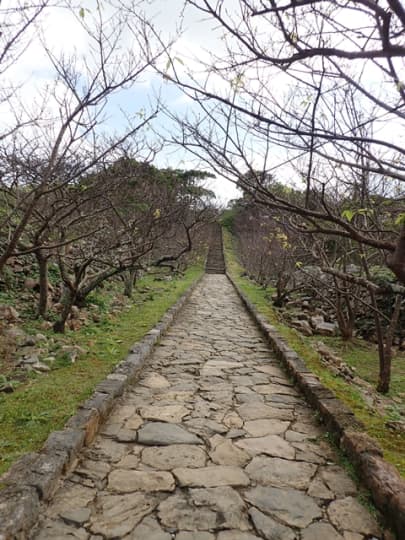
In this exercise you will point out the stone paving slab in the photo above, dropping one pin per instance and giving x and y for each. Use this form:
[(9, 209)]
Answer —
[(213, 443)]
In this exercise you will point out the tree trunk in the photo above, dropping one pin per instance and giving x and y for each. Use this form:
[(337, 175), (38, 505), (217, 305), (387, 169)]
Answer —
[(396, 262), (43, 284), (385, 372), (68, 300), (129, 282)]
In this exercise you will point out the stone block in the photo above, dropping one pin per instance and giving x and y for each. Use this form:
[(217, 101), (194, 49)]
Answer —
[(88, 420), (19, 510), (356, 443), (112, 387), (102, 403), (38, 471), (396, 512), (46, 474), (69, 441)]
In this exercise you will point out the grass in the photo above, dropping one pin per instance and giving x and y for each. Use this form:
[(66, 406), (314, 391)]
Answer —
[(360, 355), (44, 402)]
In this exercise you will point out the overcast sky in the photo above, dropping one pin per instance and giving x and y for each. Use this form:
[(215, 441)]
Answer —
[(198, 38), (63, 34)]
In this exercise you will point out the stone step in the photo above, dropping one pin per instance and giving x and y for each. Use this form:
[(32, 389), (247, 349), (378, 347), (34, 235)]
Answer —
[(215, 259)]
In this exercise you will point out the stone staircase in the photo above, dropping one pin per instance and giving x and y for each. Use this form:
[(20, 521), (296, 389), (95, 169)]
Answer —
[(215, 260)]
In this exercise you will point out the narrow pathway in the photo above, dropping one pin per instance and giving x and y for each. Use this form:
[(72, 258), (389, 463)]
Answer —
[(213, 443)]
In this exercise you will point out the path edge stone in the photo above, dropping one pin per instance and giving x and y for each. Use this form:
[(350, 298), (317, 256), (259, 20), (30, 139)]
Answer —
[(38, 473), (382, 479)]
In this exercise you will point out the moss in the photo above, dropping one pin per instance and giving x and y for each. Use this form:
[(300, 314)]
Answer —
[(360, 355), (44, 402)]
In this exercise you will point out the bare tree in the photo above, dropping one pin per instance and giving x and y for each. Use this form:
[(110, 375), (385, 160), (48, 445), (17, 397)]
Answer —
[(288, 77), (37, 157), (138, 217)]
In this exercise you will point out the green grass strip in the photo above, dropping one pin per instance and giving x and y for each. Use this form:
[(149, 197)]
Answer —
[(359, 355), (46, 401)]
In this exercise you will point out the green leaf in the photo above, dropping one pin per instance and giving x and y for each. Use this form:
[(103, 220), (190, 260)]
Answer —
[(294, 37), (364, 211), (400, 220), (348, 214)]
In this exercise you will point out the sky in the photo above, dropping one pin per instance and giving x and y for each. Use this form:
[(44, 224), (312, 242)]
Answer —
[(194, 37), (198, 37), (61, 32)]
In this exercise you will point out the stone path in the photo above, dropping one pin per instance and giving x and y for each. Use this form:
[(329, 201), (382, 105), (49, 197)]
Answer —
[(213, 443)]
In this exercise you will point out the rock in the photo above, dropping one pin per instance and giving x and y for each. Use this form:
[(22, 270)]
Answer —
[(256, 410), (155, 381), (169, 413), (235, 433), (271, 389), (70, 499), (19, 510), (338, 481), (226, 453), (30, 283), (134, 422), (126, 435), (205, 426), (320, 531), (326, 329), (348, 514), (230, 508), (77, 516), (41, 367), (232, 420), (263, 427), (287, 505), (161, 434), (318, 490), (271, 529), (178, 513), (40, 337), (149, 529), (46, 325), (8, 313), (213, 476), (16, 334), (280, 472), (303, 326), (58, 307), (75, 312), (29, 359), (174, 456), (109, 450), (273, 445), (354, 536), (316, 320), (117, 515), (128, 481), (236, 535), (128, 462), (195, 536), (96, 470), (62, 531)]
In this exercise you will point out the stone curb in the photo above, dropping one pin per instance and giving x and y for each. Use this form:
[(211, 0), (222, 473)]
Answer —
[(35, 476), (386, 486)]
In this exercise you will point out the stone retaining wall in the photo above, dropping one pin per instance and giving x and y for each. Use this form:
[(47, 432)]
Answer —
[(35, 477), (386, 486)]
